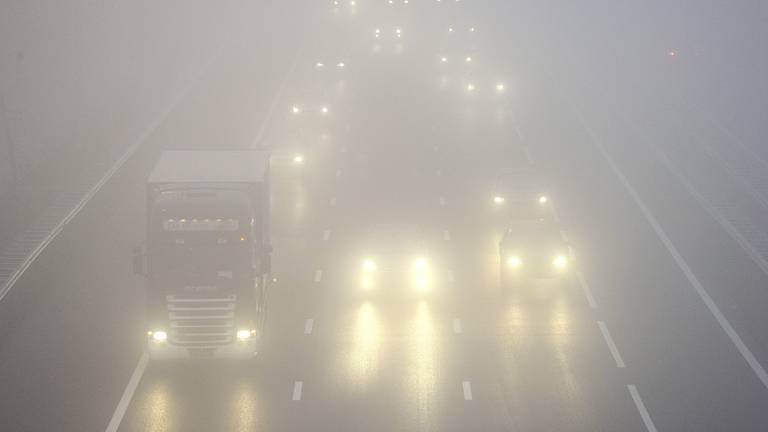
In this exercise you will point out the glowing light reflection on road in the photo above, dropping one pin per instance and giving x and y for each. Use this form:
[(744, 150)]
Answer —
[(244, 409), (366, 346), (422, 378)]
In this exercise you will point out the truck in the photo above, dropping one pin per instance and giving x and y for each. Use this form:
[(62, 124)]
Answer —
[(207, 255)]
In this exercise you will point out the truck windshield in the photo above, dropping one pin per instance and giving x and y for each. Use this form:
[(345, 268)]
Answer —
[(202, 230)]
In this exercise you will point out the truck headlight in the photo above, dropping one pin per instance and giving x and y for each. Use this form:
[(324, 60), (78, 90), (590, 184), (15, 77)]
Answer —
[(560, 262), (245, 334), (158, 336)]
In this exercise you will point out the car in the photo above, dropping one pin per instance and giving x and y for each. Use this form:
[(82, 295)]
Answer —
[(521, 194), (394, 256), (388, 34), (533, 249)]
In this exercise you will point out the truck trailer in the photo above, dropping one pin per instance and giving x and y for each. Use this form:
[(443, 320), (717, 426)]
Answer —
[(207, 255)]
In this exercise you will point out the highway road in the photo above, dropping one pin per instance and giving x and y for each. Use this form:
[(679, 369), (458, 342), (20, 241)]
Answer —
[(658, 325)]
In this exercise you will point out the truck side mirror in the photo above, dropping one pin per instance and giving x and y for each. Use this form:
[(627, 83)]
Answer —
[(139, 262)]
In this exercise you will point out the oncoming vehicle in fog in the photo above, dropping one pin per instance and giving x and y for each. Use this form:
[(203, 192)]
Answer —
[(207, 259), (522, 195), (533, 249), (395, 258)]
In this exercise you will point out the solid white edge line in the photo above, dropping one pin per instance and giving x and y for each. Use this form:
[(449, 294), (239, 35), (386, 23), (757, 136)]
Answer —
[(587, 290), (611, 344), (641, 408), (713, 212), (309, 324), (130, 389), (457, 326), (297, 387), (467, 388), (745, 352), (318, 275)]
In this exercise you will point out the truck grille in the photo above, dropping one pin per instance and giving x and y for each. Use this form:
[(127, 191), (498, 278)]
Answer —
[(201, 322)]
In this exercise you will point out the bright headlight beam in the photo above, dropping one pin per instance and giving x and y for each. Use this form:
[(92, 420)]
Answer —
[(420, 264), (159, 336), (498, 199), (244, 334), (543, 199), (514, 262), (369, 265), (560, 262)]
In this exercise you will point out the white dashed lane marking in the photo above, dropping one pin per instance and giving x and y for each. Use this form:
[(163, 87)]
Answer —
[(519, 134), (318, 275), (446, 235), (457, 326), (611, 344), (587, 291), (528, 157), (326, 235), (297, 387), (641, 408), (467, 387), (309, 324)]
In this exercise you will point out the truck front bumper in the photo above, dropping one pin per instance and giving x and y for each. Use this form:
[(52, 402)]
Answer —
[(240, 350)]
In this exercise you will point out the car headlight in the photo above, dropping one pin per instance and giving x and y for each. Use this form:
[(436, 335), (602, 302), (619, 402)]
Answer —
[(543, 199), (514, 262), (369, 265), (498, 199), (245, 334), (420, 265), (158, 336), (560, 262)]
